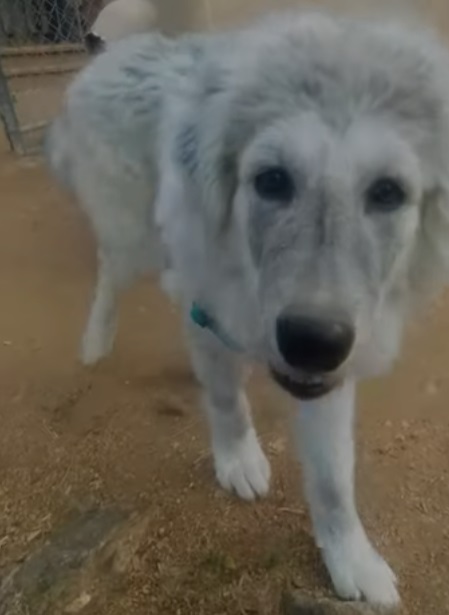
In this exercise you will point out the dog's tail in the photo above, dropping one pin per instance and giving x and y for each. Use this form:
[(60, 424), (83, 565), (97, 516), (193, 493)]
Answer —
[(57, 150)]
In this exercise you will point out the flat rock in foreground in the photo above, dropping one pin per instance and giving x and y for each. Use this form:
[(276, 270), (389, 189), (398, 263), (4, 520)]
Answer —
[(296, 604), (43, 577)]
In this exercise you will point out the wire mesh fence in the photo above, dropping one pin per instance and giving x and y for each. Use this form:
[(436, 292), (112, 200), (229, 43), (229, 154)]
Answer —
[(40, 49)]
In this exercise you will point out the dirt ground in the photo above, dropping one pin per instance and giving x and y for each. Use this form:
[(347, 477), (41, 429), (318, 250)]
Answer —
[(107, 499)]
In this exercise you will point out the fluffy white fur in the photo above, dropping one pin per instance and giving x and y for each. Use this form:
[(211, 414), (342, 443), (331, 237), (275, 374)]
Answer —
[(160, 141)]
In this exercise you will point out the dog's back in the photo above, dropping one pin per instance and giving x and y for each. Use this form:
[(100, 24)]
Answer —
[(106, 133), (106, 137)]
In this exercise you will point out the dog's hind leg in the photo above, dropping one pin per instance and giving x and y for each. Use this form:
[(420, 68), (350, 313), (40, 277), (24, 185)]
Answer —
[(325, 434), (240, 463), (99, 334)]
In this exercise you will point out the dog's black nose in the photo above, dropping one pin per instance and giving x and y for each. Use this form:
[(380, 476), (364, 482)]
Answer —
[(313, 343)]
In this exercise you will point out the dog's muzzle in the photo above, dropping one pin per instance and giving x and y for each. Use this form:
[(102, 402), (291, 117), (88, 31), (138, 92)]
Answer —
[(313, 345)]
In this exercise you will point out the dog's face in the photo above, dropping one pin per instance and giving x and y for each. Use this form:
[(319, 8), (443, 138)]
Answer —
[(326, 148), (330, 219)]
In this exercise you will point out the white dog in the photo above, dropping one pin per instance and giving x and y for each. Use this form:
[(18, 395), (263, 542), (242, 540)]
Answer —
[(290, 181), (119, 19)]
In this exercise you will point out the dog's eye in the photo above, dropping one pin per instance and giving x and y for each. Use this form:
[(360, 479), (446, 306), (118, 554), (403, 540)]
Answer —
[(385, 194), (274, 184)]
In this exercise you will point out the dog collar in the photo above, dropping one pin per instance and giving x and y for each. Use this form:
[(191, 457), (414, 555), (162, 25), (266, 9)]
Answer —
[(205, 321)]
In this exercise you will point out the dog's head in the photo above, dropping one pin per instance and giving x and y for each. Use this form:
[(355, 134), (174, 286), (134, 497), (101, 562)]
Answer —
[(325, 144)]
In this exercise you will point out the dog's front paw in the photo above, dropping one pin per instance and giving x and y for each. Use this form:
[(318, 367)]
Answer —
[(358, 572), (243, 467)]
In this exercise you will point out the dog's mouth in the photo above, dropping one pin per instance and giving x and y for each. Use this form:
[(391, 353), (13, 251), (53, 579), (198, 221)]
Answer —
[(306, 386)]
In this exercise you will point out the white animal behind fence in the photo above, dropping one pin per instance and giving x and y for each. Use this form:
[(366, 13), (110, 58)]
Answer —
[(119, 19)]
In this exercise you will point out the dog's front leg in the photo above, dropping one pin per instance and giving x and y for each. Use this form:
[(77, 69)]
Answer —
[(325, 438), (240, 463)]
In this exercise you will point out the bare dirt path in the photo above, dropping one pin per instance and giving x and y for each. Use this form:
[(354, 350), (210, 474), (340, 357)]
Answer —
[(105, 478)]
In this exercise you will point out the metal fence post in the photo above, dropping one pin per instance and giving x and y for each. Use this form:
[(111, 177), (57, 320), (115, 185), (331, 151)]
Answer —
[(8, 115)]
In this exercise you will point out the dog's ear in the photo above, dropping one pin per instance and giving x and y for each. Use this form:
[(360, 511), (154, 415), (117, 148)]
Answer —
[(211, 144), (430, 266), (196, 160)]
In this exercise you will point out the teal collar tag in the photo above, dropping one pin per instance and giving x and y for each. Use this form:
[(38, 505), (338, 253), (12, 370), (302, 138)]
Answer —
[(205, 321)]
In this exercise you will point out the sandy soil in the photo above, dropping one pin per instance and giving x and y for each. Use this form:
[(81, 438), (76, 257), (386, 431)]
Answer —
[(128, 437)]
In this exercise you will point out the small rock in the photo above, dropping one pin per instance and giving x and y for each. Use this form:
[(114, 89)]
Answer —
[(296, 604), (120, 554), (171, 406), (229, 564), (45, 575), (277, 447), (432, 388), (33, 535), (78, 605)]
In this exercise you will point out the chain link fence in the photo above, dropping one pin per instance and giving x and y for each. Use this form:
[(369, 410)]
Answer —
[(40, 49)]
